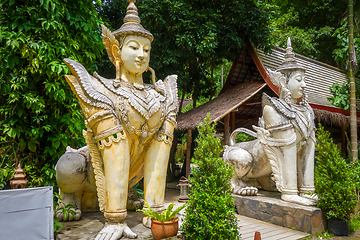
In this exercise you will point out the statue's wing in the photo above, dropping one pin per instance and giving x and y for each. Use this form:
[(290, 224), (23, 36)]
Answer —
[(109, 41), (171, 97), (97, 165), (275, 77), (85, 88)]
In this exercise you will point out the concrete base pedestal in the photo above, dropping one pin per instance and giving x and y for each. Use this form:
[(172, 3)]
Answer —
[(268, 207)]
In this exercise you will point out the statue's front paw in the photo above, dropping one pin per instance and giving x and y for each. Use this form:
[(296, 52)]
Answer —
[(62, 215), (297, 199), (147, 222), (114, 231), (247, 191), (311, 196)]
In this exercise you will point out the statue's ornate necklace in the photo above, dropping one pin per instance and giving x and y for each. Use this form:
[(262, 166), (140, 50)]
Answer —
[(146, 102)]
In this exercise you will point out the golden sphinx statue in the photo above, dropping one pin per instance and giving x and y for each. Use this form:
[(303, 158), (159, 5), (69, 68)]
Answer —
[(129, 125)]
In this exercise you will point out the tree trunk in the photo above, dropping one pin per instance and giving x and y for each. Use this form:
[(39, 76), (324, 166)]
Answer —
[(188, 153), (226, 129), (182, 100), (353, 122)]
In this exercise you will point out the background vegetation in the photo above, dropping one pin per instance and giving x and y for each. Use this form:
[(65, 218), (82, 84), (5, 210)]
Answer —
[(40, 116)]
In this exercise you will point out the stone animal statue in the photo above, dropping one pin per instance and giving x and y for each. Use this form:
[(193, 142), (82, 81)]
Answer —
[(129, 124), (283, 152), (76, 180)]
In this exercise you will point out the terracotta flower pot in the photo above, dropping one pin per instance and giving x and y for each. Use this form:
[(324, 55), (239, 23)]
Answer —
[(161, 230)]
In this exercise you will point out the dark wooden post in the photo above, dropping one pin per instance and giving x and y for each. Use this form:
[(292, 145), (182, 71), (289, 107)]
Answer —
[(188, 152), (226, 130), (232, 121), (343, 140)]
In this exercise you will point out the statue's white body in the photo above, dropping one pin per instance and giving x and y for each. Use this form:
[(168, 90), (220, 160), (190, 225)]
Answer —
[(283, 154)]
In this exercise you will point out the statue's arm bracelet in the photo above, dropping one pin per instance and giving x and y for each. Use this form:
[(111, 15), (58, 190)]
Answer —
[(107, 137), (171, 117), (165, 136), (279, 126), (97, 117)]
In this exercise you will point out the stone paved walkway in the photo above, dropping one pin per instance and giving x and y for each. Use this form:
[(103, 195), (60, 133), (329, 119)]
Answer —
[(91, 223)]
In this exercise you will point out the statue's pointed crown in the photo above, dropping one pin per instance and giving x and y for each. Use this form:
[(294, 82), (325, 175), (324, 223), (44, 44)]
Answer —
[(132, 24), (290, 63)]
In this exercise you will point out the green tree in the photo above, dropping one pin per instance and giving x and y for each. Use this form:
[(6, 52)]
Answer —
[(310, 24), (210, 211), (191, 38), (39, 114)]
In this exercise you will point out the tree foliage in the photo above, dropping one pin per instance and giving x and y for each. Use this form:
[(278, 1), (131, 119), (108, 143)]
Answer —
[(310, 24), (341, 92), (39, 114), (210, 211)]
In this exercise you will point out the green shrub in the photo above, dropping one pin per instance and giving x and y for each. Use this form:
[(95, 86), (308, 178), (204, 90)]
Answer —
[(355, 224), (334, 179), (210, 211)]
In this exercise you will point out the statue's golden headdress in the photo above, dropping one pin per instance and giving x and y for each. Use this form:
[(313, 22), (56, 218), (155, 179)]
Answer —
[(290, 63), (132, 24)]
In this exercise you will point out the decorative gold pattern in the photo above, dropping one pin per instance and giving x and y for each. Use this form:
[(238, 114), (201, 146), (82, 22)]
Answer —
[(97, 117), (132, 24), (97, 164), (109, 41), (108, 133), (164, 136), (115, 216), (106, 142)]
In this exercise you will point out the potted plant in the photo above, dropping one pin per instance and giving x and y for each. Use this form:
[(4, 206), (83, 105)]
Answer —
[(334, 184), (165, 224)]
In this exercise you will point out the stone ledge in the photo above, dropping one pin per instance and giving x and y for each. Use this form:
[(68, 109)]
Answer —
[(268, 207)]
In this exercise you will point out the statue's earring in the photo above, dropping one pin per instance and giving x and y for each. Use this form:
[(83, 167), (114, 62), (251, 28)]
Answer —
[(117, 67), (116, 81), (153, 77)]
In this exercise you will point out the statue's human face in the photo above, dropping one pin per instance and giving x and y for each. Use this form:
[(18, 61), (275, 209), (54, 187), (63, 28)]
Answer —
[(296, 84), (135, 54)]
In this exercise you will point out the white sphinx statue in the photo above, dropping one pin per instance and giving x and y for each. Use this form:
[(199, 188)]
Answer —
[(283, 152), (129, 130)]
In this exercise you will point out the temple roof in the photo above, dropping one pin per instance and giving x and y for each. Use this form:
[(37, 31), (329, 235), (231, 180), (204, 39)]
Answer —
[(248, 79), (219, 106)]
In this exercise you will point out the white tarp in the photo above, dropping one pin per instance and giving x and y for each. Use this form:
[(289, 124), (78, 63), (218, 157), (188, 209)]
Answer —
[(26, 214)]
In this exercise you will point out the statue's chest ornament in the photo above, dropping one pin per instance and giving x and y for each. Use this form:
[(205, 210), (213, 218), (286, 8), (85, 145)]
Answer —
[(146, 102), (144, 111), (300, 116)]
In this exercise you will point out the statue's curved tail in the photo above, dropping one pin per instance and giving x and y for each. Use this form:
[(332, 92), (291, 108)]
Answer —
[(241, 130)]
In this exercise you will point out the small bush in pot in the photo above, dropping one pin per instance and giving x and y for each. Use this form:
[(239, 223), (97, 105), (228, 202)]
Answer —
[(334, 183), (165, 224)]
